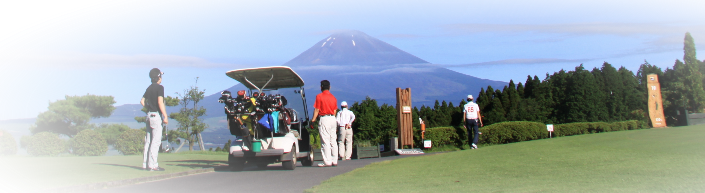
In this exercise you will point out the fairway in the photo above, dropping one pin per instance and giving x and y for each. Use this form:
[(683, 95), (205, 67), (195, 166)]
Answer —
[(28, 173), (650, 160)]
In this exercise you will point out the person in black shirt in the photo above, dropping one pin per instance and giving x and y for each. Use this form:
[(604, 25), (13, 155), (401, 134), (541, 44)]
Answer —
[(153, 100)]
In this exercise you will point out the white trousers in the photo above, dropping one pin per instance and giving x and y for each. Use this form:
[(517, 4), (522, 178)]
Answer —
[(326, 128), (152, 141), (345, 136)]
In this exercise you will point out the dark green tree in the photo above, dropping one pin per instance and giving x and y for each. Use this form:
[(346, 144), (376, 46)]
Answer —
[(189, 116), (71, 115), (690, 74)]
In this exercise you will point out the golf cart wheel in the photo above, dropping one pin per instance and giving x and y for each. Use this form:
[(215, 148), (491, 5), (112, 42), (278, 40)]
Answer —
[(308, 161), (237, 166), (291, 164), (262, 165)]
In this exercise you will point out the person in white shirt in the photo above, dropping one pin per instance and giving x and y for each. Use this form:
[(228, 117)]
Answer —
[(345, 119), (472, 119)]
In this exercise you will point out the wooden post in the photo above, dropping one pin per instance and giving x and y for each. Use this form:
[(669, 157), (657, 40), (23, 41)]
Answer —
[(655, 102), (405, 132)]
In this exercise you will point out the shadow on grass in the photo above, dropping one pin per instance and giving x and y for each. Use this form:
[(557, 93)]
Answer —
[(127, 166)]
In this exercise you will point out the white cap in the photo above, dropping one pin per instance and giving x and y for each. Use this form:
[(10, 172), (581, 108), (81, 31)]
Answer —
[(469, 96), (344, 103)]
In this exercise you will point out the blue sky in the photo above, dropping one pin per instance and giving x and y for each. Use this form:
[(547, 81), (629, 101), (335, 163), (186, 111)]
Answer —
[(49, 49)]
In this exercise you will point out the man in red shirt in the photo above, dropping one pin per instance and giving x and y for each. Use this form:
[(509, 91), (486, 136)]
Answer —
[(325, 106)]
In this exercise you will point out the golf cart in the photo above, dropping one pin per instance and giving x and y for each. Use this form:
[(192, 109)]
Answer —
[(267, 131)]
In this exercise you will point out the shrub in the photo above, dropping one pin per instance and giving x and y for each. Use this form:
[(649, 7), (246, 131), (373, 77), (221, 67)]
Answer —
[(510, 132), (8, 146), (88, 143), (569, 129), (441, 136), (130, 142), (111, 132), (45, 144)]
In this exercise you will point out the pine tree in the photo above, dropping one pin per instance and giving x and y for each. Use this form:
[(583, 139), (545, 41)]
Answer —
[(692, 77)]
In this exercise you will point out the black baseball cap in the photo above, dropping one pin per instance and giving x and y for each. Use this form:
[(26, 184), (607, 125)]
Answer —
[(155, 73)]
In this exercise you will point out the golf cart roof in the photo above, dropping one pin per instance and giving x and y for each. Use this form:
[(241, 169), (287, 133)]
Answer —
[(273, 77)]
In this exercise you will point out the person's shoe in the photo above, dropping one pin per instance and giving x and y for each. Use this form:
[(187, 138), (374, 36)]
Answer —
[(156, 169), (347, 159), (335, 165), (323, 165), (474, 146)]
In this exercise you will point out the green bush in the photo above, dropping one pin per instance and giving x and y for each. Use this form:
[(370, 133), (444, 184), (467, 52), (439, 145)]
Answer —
[(88, 143), (25, 140), (510, 132), (8, 146), (441, 136), (111, 132), (131, 142), (45, 144), (569, 129)]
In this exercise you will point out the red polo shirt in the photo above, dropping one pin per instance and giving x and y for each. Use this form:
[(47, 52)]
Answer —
[(326, 103)]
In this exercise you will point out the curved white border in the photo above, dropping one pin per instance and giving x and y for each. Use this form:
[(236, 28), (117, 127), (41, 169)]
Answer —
[(50, 18)]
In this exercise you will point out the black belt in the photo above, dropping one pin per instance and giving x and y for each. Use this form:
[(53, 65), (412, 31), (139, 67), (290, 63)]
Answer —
[(326, 115)]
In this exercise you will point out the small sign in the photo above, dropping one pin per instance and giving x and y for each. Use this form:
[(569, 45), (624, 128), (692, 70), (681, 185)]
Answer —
[(408, 151), (406, 109), (549, 127), (427, 143), (381, 147)]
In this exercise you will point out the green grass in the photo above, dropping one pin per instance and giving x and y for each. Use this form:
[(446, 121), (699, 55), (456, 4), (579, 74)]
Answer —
[(651, 160), (28, 173)]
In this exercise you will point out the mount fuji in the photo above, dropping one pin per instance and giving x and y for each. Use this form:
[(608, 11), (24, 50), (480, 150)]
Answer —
[(358, 66)]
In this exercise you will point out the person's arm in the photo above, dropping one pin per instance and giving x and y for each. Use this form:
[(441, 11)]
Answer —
[(315, 115), (352, 119), (479, 117), (465, 115), (160, 101), (142, 101)]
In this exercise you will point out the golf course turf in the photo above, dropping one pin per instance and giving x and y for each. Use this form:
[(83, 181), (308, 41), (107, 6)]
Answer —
[(29, 173), (649, 160)]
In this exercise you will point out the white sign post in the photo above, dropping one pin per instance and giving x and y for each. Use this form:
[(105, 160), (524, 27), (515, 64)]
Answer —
[(549, 127)]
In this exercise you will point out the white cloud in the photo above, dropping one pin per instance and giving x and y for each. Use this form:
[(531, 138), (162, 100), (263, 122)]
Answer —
[(101, 61), (518, 61), (622, 29), (400, 36), (408, 69), (328, 32), (301, 13)]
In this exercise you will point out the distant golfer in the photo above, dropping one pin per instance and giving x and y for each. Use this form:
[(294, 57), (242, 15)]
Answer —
[(153, 100), (325, 106), (345, 119), (472, 119)]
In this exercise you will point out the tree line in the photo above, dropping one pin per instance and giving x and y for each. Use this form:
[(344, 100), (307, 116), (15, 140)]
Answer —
[(605, 94)]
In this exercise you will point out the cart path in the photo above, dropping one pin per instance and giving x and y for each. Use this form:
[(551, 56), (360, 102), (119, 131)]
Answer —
[(271, 179)]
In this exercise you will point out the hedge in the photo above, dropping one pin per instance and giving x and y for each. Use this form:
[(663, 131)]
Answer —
[(8, 145), (45, 144), (569, 129), (89, 143), (516, 131), (440, 136), (131, 142), (510, 132)]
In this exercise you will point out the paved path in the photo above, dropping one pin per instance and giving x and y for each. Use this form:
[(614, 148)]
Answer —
[(271, 179)]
